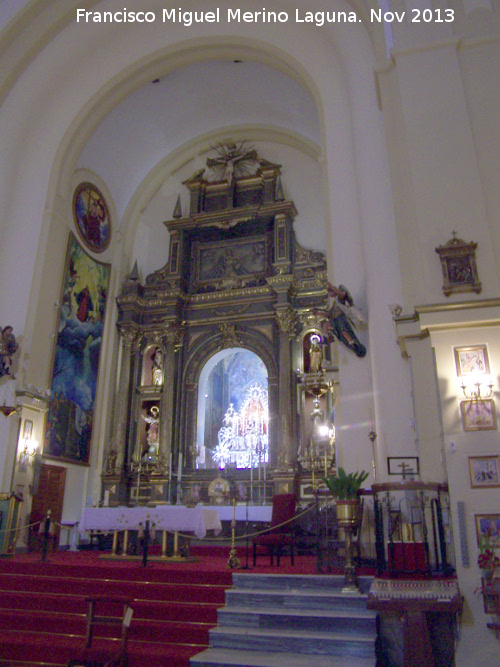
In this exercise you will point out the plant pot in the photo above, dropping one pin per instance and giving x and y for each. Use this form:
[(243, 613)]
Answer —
[(348, 513)]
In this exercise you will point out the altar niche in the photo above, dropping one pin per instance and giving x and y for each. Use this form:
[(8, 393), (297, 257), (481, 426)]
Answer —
[(233, 412), (237, 296)]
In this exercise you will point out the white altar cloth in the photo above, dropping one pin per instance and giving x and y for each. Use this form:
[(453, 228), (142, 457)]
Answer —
[(255, 512), (174, 518)]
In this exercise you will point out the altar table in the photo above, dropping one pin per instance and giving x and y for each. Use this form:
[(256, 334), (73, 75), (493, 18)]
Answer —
[(174, 518), (168, 518)]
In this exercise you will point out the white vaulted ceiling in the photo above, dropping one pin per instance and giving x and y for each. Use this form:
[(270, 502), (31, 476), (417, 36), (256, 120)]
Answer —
[(196, 99)]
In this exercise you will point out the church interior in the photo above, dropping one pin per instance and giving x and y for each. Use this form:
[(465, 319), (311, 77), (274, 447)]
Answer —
[(238, 256)]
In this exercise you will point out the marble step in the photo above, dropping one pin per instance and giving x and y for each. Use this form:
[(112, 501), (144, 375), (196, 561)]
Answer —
[(296, 582), (218, 657), (304, 599), (293, 641), (349, 622)]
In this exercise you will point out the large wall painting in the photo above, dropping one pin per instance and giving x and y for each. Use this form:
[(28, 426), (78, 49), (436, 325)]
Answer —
[(76, 363)]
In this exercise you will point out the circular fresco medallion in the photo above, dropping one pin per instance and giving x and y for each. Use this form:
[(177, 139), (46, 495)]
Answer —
[(92, 217)]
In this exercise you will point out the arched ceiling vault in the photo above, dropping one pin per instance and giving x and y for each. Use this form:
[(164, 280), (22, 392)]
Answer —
[(26, 27)]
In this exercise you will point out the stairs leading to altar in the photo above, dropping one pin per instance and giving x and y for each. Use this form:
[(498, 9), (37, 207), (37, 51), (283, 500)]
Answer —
[(177, 607), (42, 607), (292, 621)]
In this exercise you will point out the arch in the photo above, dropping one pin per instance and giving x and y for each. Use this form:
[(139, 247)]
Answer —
[(332, 95), (46, 18), (200, 144), (224, 399), (211, 343), (200, 354)]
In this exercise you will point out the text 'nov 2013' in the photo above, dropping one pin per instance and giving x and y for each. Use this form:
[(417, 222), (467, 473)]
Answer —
[(188, 18)]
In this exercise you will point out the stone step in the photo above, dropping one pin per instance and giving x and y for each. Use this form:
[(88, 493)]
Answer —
[(218, 657), (293, 641), (349, 622), (304, 599), (296, 582)]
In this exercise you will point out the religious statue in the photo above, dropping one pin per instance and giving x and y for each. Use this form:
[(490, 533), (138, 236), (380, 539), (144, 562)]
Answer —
[(111, 461), (8, 346), (339, 320), (231, 159), (153, 431), (158, 368), (315, 354)]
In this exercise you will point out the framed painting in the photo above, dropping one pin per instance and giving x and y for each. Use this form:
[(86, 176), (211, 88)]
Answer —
[(478, 415), (91, 216), (229, 264), (484, 471), (70, 416), (472, 360), (28, 429), (487, 529), (24, 459), (403, 465)]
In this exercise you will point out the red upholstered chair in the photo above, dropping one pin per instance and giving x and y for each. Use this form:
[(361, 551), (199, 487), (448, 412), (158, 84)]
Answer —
[(109, 653), (278, 536)]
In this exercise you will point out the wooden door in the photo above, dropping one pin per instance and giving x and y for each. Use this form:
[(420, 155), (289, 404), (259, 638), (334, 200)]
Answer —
[(50, 495)]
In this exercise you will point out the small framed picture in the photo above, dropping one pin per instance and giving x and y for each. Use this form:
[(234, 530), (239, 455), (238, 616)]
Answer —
[(484, 471), (478, 415), (28, 429), (488, 529), (472, 360), (403, 465), (23, 461)]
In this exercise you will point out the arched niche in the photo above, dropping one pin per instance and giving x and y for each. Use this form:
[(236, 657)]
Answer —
[(152, 367), (233, 413)]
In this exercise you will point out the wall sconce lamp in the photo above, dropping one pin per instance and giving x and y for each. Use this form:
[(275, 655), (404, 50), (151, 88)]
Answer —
[(8, 410), (477, 390), (28, 452)]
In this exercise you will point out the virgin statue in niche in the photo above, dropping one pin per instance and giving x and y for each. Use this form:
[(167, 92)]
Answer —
[(157, 368)]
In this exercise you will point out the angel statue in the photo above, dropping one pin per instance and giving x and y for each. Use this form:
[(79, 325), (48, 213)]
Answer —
[(8, 346), (341, 319)]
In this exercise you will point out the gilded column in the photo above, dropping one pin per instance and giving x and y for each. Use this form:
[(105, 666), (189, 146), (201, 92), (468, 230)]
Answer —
[(286, 320), (174, 334), (129, 339)]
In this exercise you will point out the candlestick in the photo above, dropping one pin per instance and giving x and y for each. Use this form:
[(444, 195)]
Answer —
[(179, 468), (251, 480)]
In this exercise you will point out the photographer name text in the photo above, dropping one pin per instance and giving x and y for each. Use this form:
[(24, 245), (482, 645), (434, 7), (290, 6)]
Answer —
[(235, 15)]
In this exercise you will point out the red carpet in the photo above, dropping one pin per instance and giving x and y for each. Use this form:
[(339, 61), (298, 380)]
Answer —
[(42, 604)]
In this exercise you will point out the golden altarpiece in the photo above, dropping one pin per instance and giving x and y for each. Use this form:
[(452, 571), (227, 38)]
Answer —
[(236, 285)]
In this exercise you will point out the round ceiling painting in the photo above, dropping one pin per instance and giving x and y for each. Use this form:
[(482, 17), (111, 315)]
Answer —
[(92, 217)]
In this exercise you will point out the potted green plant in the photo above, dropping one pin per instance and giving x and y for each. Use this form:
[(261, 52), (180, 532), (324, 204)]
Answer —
[(344, 487)]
